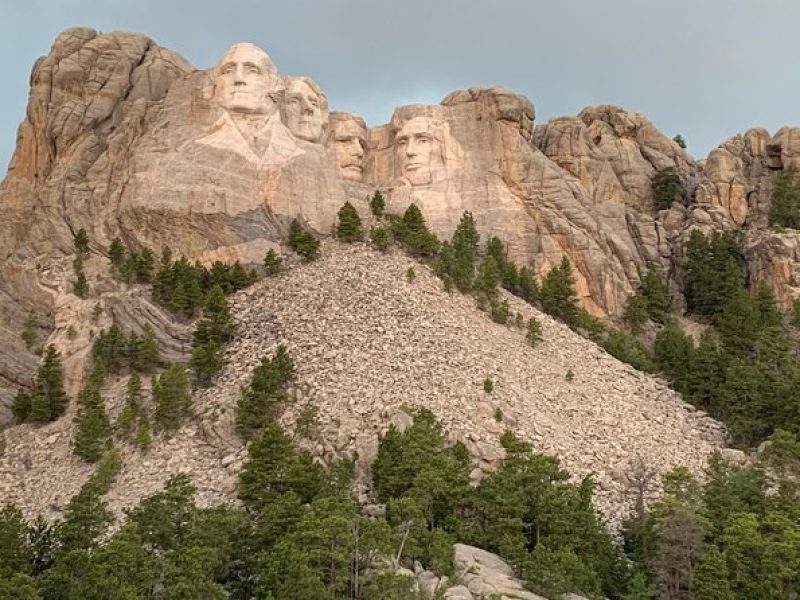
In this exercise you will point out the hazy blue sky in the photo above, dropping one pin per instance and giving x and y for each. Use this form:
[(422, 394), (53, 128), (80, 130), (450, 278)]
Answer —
[(703, 68)]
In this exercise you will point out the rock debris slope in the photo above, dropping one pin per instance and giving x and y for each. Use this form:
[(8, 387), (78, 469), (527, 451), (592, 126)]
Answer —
[(367, 343)]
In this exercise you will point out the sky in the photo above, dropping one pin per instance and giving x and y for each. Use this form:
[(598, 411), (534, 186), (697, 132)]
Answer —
[(705, 69)]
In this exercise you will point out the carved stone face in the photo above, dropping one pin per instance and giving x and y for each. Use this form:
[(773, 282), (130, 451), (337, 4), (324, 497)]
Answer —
[(419, 151), (348, 140), (303, 108), (245, 78)]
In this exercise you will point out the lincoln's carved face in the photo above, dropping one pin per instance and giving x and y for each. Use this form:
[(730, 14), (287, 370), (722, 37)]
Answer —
[(419, 150), (305, 110), (245, 80), (347, 141)]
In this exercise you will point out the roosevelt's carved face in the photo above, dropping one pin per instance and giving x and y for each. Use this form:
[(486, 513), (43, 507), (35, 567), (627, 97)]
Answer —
[(348, 140), (245, 79), (304, 110), (419, 150)]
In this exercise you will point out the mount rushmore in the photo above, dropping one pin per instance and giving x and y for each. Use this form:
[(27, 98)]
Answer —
[(127, 139)]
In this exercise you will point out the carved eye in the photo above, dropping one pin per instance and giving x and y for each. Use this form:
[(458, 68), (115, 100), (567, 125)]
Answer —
[(227, 70), (253, 70), (402, 141)]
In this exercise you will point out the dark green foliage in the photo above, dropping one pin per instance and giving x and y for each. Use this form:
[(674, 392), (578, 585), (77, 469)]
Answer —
[(785, 208), (625, 347), (182, 287), (263, 399), (377, 204), (488, 385), (678, 139), (411, 275), (120, 352), (273, 263), (714, 272), (667, 187), (651, 301), (86, 516), (557, 294), (533, 332), (92, 427), (128, 419), (464, 246), (412, 232), (48, 400), (489, 277), (348, 227), (136, 267), (212, 332), (172, 398), (302, 241), (116, 252), (674, 354), (80, 286), (21, 407), (30, 329), (274, 468), (528, 287), (381, 238), (499, 311), (81, 241)]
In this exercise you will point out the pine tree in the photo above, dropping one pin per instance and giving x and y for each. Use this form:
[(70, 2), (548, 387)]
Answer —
[(143, 436), (533, 334), (30, 328), (50, 386), (528, 288), (21, 407), (265, 395), (81, 242), (667, 187), (92, 427), (785, 209), (377, 204), (145, 355), (80, 286), (172, 398), (488, 277), (464, 244), (678, 139), (412, 231), (381, 238), (674, 353), (273, 262), (116, 252), (714, 271), (557, 293), (303, 242), (349, 229), (133, 407)]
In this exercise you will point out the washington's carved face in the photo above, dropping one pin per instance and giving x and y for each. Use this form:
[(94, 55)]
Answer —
[(419, 150), (304, 111), (348, 143), (245, 78)]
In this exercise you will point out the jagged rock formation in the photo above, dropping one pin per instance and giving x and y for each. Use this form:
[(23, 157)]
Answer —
[(367, 343)]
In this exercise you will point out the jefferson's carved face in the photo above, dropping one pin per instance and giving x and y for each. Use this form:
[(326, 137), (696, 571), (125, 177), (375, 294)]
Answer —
[(303, 109), (245, 78), (348, 142), (419, 151)]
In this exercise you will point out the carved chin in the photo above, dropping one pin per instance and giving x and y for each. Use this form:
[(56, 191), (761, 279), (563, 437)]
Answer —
[(352, 172)]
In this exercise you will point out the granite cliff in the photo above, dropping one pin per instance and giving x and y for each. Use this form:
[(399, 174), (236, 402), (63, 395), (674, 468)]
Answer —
[(126, 139)]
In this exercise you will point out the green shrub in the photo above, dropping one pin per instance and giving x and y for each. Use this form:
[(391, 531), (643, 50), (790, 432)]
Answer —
[(488, 385), (273, 263), (557, 293), (348, 228), (667, 187), (785, 207), (381, 238), (533, 333), (302, 241), (377, 204)]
